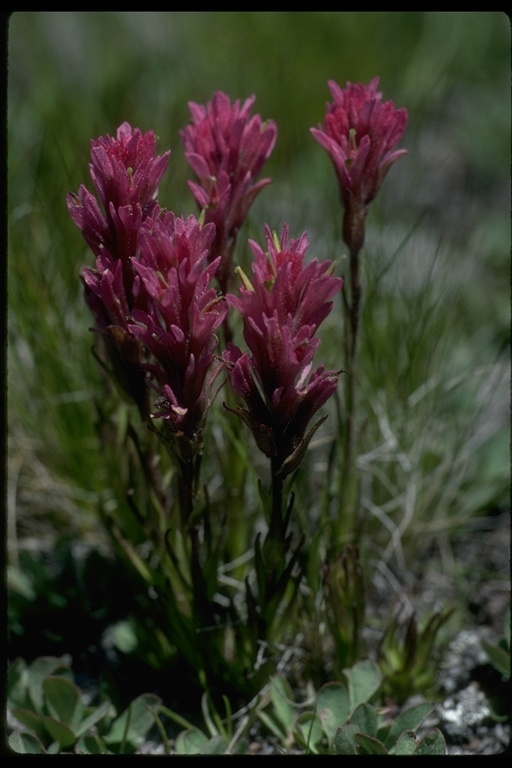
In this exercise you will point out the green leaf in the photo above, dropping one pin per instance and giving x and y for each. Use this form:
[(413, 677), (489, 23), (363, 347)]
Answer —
[(282, 698), (345, 740), (499, 657), (181, 721), (216, 745), (20, 582), (133, 724), (407, 720), (25, 743), (97, 714), (210, 719), (132, 554), (31, 720), (365, 719), (332, 707), (368, 745), (269, 723), (91, 744), (17, 680), (40, 669), (364, 679), (59, 732), (63, 700), (406, 744), (125, 636), (190, 742), (432, 743), (309, 732)]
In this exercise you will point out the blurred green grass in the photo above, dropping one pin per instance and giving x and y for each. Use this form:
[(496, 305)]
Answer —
[(437, 252)]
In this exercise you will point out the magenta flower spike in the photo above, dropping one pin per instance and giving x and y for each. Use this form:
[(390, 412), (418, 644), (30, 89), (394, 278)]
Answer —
[(226, 148), (125, 172), (178, 326), (359, 134), (282, 308)]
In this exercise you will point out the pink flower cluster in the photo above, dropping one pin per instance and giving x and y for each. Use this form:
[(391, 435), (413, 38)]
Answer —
[(282, 308), (359, 134), (151, 292), (125, 172), (183, 313), (226, 149)]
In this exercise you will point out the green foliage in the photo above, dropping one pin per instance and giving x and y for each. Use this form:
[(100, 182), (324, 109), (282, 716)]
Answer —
[(40, 607), (345, 600), (218, 736), (407, 654), (343, 718), (53, 716), (498, 653)]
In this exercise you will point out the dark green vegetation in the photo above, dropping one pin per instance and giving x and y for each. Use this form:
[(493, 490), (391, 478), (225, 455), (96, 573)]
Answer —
[(434, 357)]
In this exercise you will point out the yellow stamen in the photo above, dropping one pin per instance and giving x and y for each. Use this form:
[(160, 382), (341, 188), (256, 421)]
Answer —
[(243, 277), (332, 268), (352, 147)]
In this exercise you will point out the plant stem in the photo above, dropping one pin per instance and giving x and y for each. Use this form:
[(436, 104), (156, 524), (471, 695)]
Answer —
[(189, 469), (348, 487), (187, 480), (276, 511), (271, 560), (202, 613)]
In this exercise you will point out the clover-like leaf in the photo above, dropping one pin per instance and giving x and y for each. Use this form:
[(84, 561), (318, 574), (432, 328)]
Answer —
[(345, 740), (408, 719), (309, 732), (25, 743), (39, 670), (365, 719), (133, 724), (91, 744), (406, 744), (369, 745), (31, 720), (364, 679), (332, 707), (63, 700), (432, 743), (59, 732), (216, 745), (17, 681), (190, 742)]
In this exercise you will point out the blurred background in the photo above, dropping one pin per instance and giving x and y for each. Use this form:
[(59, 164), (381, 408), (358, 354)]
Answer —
[(435, 349)]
